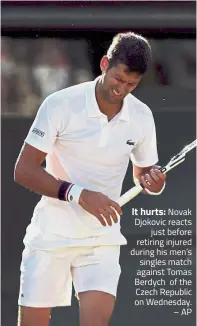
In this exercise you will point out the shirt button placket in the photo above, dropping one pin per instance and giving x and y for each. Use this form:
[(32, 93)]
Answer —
[(104, 136)]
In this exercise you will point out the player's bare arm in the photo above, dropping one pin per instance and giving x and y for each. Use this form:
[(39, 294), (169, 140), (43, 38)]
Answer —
[(30, 173), (150, 177)]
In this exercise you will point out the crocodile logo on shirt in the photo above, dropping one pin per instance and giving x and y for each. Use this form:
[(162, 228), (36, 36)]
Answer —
[(130, 142)]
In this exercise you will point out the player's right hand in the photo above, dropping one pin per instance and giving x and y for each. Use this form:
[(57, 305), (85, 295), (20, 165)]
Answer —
[(100, 206)]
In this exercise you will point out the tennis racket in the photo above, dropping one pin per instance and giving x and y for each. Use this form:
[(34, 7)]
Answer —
[(175, 160)]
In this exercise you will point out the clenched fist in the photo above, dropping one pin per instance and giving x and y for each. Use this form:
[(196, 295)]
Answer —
[(153, 180)]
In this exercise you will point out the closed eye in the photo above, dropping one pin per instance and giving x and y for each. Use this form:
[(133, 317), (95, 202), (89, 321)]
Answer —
[(120, 80)]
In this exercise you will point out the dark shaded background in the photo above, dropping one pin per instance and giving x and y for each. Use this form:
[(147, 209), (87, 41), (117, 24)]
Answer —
[(169, 89)]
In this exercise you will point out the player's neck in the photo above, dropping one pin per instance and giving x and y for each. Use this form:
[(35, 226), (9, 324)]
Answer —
[(107, 108)]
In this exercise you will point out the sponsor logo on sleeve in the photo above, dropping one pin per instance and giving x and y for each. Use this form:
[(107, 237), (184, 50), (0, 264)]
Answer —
[(38, 132)]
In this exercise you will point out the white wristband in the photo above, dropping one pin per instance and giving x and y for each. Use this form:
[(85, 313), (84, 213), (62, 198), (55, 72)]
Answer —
[(74, 193), (155, 193)]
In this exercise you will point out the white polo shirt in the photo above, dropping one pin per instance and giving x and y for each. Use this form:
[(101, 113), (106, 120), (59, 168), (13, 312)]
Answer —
[(84, 148)]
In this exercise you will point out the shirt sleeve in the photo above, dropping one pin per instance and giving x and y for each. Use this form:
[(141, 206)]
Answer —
[(46, 127), (145, 153)]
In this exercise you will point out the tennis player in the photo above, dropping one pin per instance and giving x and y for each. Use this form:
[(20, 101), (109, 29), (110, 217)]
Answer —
[(87, 133)]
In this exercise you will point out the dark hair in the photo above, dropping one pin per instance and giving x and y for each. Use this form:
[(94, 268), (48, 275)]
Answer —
[(130, 49)]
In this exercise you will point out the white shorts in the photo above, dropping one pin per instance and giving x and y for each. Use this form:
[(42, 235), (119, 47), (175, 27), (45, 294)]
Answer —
[(47, 276)]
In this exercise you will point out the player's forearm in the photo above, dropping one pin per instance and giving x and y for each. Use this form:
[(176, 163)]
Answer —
[(37, 179)]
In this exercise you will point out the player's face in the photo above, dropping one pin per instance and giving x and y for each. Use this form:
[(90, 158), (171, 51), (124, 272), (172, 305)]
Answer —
[(117, 82)]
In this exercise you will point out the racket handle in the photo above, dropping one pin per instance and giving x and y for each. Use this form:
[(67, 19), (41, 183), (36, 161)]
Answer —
[(133, 192), (130, 194)]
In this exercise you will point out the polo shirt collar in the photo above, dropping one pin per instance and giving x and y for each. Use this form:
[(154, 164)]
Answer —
[(93, 108), (124, 112), (91, 103)]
